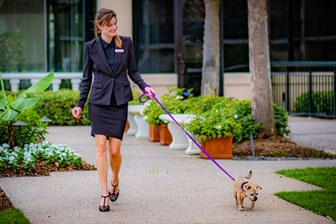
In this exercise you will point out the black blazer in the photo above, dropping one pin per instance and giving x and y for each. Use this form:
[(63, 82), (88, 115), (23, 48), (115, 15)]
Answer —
[(106, 80)]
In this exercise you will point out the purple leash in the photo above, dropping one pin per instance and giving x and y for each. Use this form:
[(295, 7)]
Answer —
[(199, 146)]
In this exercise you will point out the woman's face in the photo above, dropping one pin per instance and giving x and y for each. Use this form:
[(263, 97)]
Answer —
[(110, 28)]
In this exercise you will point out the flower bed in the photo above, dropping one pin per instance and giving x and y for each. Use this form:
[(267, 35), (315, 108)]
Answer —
[(276, 147), (39, 159)]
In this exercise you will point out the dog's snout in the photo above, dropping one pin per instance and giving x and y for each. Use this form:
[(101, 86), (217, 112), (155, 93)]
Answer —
[(255, 198)]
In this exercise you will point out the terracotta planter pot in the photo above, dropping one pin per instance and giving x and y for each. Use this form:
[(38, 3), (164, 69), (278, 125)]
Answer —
[(165, 136), (218, 148), (154, 133), (127, 126)]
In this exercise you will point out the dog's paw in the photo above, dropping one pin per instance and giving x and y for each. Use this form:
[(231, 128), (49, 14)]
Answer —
[(241, 209)]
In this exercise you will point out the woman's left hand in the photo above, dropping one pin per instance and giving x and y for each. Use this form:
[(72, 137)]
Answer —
[(149, 92)]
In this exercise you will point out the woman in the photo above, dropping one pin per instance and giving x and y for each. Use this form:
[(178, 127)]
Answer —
[(111, 58)]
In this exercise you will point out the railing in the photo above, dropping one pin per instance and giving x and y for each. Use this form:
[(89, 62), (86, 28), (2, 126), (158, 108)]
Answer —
[(15, 79), (305, 88)]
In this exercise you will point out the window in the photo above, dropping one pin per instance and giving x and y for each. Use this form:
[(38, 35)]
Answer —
[(44, 35), (22, 36), (153, 35), (302, 30), (236, 56), (193, 32)]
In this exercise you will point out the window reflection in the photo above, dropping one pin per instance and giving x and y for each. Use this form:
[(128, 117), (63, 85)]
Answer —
[(22, 36), (65, 36), (154, 35)]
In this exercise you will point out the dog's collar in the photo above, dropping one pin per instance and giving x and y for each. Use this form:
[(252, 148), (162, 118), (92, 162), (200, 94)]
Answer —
[(242, 186)]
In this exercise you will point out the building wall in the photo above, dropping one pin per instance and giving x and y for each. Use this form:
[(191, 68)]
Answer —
[(124, 14), (237, 85)]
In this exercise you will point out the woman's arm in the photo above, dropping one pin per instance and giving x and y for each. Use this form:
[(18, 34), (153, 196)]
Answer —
[(132, 67), (87, 78)]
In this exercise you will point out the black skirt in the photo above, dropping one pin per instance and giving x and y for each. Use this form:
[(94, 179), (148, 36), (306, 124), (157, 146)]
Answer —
[(108, 120)]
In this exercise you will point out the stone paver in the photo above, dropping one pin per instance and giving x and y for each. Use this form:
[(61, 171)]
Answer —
[(157, 185)]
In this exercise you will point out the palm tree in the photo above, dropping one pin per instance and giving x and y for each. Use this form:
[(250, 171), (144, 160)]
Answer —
[(210, 70), (262, 104)]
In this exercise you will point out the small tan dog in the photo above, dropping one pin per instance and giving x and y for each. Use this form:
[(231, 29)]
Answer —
[(242, 188)]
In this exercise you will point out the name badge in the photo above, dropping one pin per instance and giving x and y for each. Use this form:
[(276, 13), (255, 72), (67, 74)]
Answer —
[(119, 50)]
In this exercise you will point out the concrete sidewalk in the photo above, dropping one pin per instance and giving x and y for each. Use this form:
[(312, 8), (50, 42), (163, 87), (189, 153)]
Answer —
[(157, 185), (314, 132)]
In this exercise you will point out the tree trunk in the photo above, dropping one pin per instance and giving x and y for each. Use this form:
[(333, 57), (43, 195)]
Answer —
[(262, 103), (10, 135), (210, 71)]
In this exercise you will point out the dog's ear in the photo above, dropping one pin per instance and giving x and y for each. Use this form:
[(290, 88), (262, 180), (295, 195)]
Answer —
[(259, 187), (249, 175)]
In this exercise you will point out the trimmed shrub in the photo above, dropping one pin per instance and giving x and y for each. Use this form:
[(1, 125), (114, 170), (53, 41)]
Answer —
[(57, 106), (322, 102)]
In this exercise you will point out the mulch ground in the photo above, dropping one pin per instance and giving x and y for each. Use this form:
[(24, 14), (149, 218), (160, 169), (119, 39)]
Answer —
[(5, 203), (277, 146), (42, 169)]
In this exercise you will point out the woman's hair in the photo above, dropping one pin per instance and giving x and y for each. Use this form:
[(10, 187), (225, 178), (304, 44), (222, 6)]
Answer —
[(103, 17)]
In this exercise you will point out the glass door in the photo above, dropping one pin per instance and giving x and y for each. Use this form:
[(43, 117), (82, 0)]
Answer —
[(65, 35)]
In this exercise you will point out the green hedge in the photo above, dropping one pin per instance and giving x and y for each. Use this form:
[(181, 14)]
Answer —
[(172, 102), (57, 106), (243, 113), (322, 102), (202, 105)]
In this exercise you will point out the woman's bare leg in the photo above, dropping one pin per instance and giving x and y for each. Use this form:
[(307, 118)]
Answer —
[(101, 164), (115, 160)]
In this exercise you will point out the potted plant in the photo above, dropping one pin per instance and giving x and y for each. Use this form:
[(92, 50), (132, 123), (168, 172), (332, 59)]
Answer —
[(158, 130), (215, 129), (152, 112)]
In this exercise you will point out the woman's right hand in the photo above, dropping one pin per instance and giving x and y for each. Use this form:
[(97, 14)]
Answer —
[(76, 111)]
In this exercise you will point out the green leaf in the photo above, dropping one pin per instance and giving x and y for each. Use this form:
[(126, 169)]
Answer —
[(9, 114), (40, 86), (3, 103), (22, 104)]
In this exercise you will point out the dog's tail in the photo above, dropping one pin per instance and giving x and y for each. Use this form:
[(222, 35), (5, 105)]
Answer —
[(249, 175)]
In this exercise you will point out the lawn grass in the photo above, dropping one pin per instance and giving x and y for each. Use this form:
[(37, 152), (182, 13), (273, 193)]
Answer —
[(322, 202), (13, 216)]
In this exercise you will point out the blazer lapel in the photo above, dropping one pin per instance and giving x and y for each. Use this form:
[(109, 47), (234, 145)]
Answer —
[(117, 57), (102, 56)]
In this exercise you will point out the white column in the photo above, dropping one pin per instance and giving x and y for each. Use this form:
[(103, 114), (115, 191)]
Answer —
[(180, 139), (133, 128), (33, 81), (143, 127), (75, 84), (14, 84), (56, 84), (192, 148)]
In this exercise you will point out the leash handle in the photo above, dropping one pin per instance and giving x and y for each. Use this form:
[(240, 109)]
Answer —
[(145, 94), (143, 101), (199, 146)]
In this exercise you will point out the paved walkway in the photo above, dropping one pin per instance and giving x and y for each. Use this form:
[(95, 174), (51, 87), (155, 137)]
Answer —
[(157, 185), (314, 132)]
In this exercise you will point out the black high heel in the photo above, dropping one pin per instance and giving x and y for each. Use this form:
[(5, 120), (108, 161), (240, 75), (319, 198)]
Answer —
[(104, 208), (113, 196)]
